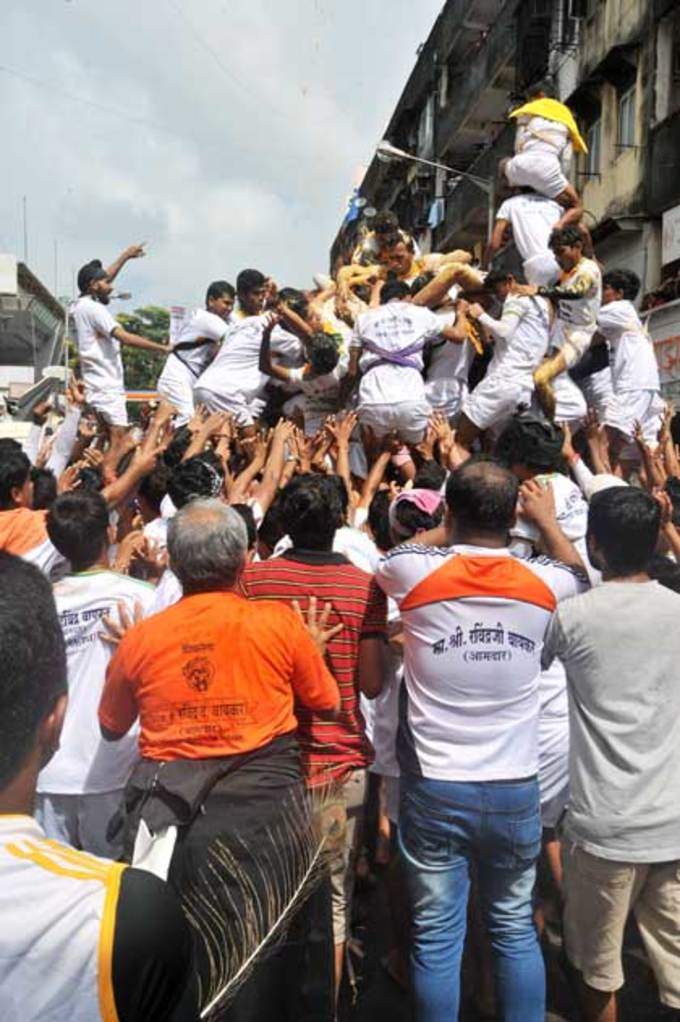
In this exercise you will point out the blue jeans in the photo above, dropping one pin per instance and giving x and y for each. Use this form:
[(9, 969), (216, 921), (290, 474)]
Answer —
[(444, 826)]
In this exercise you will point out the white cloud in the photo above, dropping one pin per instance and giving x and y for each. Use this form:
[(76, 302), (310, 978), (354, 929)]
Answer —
[(262, 146)]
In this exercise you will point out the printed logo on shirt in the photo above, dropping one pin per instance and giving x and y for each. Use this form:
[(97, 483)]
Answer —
[(199, 673)]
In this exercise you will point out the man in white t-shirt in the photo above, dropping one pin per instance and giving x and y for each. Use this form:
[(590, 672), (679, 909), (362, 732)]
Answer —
[(447, 364), (545, 139), (531, 218), (474, 619), (233, 381), (195, 348), (99, 337), (81, 788), (521, 339), (387, 349), (633, 365)]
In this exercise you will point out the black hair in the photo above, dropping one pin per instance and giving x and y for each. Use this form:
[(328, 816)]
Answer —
[(623, 280), (336, 482), (662, 569), (8, 443), (245, 512), (193, 478), (390, 239), (296, 300), (87, 273), (394, 289), (544, 85), (77, 524), (386, 222), (90, 480), (154, 486), (249, 280), (44, 488), (177, 447), (379, 520), (532, 441), (412, 519), (272, 527), (565, 236), (482, 496), (496, 277), (323, 353), (218, 289), (312, 511), (430, 476), (623, 522), (33, 660), (15, 469)]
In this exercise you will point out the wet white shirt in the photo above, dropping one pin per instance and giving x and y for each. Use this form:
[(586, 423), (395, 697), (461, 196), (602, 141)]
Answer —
[(394, 327), (633, 363), (532, 218), (99, 351)]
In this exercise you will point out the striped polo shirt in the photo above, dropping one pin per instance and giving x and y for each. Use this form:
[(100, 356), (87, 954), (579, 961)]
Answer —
[(331, 745)]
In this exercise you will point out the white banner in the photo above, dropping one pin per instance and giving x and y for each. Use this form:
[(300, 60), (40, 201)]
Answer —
[(670, 238)]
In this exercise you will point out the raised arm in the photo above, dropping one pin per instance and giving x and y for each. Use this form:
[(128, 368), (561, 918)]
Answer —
[(131, 252), (496, 241), (136, 341)]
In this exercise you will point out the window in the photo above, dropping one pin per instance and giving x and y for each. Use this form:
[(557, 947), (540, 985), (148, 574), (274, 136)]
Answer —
[(592, 168), (626, 133)]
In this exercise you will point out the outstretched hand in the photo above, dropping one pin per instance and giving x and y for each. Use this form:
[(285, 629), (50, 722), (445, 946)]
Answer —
[(317, 624)]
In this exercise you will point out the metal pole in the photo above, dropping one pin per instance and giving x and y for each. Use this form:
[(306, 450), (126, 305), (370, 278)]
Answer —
[(23, 204), (56, 268)]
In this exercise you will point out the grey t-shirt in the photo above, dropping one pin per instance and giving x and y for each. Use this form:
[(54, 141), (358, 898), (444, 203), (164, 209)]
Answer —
[(620, 646)]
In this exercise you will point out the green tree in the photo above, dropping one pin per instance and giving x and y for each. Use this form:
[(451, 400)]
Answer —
[(142, 368)]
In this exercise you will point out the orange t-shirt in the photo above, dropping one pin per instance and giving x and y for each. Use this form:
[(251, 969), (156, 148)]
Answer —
[(214, 676)]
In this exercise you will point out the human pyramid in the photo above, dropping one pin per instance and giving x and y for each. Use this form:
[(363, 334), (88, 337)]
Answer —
[(455, 498)]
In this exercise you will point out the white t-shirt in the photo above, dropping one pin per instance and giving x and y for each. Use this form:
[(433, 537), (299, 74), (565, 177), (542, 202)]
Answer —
[(288, 348), (571, 512), (85, 764), (447, 372), (236, 367), (157, 531), (321, 392), (532, 218), (633, 363), (201, 325), (355, 545), (98, 350), (394, 327), (521, 335), (474, 624)]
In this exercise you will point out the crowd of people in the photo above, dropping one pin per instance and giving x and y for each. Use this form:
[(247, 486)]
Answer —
[(392, 563)]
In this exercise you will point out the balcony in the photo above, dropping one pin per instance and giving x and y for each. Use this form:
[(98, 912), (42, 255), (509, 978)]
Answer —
[(663, 175), (467, 208)]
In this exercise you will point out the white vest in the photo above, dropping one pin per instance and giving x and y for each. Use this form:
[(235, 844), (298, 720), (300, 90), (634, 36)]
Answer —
[(58, 910)]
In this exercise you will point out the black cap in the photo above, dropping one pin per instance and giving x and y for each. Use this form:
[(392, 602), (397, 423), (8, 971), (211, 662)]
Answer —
[(88, 273)]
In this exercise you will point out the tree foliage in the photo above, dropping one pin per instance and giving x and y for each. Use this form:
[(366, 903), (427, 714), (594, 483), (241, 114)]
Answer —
[(142, 368)]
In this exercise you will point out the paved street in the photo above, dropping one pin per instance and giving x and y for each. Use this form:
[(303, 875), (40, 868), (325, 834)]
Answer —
[(379, 997)]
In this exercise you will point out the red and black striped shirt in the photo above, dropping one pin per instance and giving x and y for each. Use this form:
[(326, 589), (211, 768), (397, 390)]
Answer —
[(331, 745)]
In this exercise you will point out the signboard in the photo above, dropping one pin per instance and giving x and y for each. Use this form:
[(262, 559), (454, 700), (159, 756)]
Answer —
[(663, 324), (9, 284), (670, 235), (178, 317)]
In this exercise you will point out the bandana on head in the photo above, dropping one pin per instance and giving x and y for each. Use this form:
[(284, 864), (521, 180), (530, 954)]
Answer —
[(427, 501)]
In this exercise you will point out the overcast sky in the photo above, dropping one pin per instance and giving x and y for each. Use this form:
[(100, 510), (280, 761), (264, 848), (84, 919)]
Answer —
[(225, 133)]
